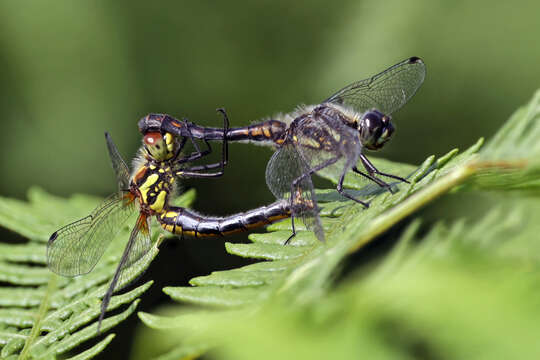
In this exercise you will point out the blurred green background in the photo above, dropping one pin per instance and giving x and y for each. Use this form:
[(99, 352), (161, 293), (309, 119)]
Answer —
[(71, 70)]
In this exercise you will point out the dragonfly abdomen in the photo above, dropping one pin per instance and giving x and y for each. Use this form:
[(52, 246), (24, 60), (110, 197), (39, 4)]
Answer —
[(182, 221), (272, 131), (269, 130)]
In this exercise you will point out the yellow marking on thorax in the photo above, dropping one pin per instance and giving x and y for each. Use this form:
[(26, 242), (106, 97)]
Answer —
[(147, 185), (159, 202)]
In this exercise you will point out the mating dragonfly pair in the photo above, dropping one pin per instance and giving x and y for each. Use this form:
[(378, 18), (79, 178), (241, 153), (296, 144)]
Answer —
[(332, 134)]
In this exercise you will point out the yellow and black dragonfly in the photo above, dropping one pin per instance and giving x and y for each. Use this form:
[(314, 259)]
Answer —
[(331, 135), (76, 248)]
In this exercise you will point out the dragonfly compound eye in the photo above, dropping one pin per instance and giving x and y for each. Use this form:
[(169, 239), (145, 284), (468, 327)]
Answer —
[(156, 146), (375, 129)]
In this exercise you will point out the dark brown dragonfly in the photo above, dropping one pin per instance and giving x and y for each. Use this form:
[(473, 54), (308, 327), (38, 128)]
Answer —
[(330, 135)]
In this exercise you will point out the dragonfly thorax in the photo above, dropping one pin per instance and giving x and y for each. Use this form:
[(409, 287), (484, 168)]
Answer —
[(152, 184), (375, 129)]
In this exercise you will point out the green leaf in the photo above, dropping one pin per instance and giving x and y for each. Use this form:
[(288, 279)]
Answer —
[(289, 296), (44, 315)]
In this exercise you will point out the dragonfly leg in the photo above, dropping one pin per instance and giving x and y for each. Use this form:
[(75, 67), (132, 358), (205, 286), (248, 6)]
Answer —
[(314, 170), (294, 185), (197, 171), (198, 153), (374, 179), (373, 170), (195, 155), (293, 231), (345, 194), (180, 147)]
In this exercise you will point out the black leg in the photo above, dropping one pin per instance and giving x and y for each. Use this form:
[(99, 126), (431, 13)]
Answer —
[(373, 170), (311, 171), (293, 231), (198, 175), (375, 180), (196, 171), (180, 147), (195, 145), (205, 167), (195, 155), (295, 183), (343, 193), (225, 145)]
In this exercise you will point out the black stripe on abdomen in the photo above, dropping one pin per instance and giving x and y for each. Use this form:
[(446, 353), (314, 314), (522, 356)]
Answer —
[(182, 221)]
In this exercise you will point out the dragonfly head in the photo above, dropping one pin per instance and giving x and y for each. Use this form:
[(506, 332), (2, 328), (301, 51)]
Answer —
[(160, 147), (375, 129)]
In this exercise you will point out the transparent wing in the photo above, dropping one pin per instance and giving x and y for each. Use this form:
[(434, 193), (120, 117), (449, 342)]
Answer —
[(76, 248), (119, 165), (285, 166), (387, 91), (138, 245)]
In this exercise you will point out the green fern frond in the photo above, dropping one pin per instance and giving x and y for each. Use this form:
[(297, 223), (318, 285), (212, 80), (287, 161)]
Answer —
[(296, 278), (43, 315), (456, 296)]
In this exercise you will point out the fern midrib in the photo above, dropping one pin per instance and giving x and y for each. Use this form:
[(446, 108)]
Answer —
[(42, 312), (427, 194)]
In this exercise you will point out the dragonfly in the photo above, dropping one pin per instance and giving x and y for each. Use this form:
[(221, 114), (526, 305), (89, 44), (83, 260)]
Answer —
[(76, 248), (330, 135)]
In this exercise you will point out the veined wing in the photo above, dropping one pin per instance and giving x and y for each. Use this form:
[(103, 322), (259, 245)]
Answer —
[(286, 166), (138, 245), (76, 248), (119, 165), (387, 91)]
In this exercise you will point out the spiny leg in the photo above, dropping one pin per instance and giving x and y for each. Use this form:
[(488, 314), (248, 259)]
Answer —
[(293, 231), (344, 193), (224, 149), (196, 171), (373, 170), (195, 145), (195, 155), (374, 179)]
